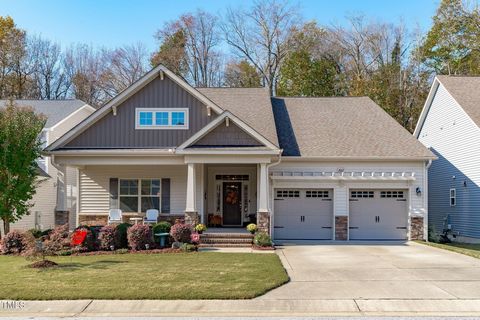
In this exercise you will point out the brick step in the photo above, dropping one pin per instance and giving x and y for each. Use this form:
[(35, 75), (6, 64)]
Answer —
[(225, 245), (227, 235), (225, 240)]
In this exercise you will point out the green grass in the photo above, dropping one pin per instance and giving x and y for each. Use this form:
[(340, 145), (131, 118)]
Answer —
[(204, 275), (472, 250)]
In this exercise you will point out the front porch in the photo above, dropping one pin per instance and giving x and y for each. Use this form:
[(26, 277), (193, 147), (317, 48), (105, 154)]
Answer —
[(220, 193)]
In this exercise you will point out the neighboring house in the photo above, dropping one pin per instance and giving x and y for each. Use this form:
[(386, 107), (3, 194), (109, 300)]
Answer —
[(450, 126), (302, 168), (54, 198)]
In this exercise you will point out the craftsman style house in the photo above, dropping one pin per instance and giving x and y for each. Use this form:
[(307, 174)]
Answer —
[(302, 168)]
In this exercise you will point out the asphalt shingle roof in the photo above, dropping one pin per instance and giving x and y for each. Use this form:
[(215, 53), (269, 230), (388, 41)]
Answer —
[(341, 127), (466, 91), (251, 105), (54, 110)]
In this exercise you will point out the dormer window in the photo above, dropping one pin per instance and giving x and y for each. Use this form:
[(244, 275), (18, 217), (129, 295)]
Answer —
[(161, 118)]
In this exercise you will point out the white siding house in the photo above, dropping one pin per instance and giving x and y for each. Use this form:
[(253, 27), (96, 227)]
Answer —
[(54, 201), (449, 126)]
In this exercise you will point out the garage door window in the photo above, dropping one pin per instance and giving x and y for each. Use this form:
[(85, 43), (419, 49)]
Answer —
[(288, 194), (391, 194), (362, 194), (317, 194)]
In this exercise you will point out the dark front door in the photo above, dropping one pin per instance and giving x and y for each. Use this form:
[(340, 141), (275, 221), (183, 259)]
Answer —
[(232, 199)]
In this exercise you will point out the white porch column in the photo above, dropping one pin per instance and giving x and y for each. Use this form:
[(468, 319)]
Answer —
[(191, 186), (263, 188)]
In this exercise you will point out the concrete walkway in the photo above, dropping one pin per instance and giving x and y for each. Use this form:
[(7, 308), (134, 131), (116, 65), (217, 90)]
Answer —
[(326, 280)]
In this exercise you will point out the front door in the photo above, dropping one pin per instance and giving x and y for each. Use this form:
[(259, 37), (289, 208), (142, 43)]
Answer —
[(232, 199)]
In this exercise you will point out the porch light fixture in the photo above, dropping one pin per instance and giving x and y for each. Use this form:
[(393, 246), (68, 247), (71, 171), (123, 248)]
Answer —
[(418, 191)]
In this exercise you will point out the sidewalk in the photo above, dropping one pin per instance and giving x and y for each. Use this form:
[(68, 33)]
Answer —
[(256, 307)]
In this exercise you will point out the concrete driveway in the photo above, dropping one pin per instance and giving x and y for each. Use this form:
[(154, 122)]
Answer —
[(376, 271)]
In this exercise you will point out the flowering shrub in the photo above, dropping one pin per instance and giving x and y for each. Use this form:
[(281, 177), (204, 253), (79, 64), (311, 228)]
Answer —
[(181, 232), (15, 242), (200, 227), (121, 240), (262, 240), (107, 237), (90, 242), (195, 238), (252, 227), (139, 236), (58, 239)]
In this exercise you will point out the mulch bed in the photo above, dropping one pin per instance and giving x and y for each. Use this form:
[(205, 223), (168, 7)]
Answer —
[(43, 264), (153, 251)]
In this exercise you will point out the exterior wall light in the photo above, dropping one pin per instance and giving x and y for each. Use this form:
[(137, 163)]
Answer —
[(418, 191)]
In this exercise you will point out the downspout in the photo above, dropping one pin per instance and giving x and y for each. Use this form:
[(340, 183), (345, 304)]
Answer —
[(425, 192), (268, 186)]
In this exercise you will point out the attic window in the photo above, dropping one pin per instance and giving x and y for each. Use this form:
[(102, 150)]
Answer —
[(161, 118)]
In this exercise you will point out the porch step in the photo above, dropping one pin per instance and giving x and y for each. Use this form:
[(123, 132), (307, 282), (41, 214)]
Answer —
[(226, 240)]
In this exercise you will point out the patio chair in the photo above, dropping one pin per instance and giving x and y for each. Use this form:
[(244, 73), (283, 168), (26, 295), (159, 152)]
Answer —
[(151, 216), (115, 216)]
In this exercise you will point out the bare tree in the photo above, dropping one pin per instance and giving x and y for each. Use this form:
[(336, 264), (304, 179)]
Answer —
[(50, 78), (260, 35), (193, 38), (123, 67)]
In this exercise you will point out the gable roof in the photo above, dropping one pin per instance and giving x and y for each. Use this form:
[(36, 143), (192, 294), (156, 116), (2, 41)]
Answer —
[(54, 110), (252, 105), (342, 127), (466, 91)]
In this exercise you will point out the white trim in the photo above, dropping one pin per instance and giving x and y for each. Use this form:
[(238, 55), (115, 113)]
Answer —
[(355, 158), (139, 194), (227, 116), (452, 196), (155, 126), (123, 96), (86, 106)]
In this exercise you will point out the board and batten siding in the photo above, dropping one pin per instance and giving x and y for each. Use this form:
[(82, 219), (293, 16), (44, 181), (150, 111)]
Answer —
[(455, 139), (417, 203), (118, 131), (230, 135), (95, 180)]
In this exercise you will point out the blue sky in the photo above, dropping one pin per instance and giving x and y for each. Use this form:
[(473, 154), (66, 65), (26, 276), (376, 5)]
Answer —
[(112, 23)]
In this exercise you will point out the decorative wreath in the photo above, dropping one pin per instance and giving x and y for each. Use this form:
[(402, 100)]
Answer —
[(232, 197)]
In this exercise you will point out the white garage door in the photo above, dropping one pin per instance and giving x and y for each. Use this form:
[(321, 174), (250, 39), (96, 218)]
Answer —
[(303, 214), (378, 215)]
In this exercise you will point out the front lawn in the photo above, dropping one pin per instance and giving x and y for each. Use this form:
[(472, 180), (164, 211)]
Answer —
[(204, 275), (472, 250)]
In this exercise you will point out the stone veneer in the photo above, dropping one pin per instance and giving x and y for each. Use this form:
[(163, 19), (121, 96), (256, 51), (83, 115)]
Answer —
[(341, 228), (192, 218), (263, 222), (416, 228)]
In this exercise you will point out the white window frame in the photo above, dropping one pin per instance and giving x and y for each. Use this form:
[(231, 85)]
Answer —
[(154, 111), (453, 196), (139, 193)]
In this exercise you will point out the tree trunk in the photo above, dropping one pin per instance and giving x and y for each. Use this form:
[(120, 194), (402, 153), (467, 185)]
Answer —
[(6, 227)]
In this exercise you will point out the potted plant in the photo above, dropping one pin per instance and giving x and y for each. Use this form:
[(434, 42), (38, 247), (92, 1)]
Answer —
[(252, 228), (200, 228)]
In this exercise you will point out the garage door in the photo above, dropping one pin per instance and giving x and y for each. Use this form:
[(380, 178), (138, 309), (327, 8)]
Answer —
[(378, 215), (303, 214)]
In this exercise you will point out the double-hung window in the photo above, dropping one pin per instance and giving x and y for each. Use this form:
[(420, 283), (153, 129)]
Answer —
[(161, 118), (453, 197), (139, 195)]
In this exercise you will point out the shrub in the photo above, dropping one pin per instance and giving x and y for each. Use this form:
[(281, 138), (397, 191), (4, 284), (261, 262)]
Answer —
[(139, 236), (36, 233), (46, 233), (15, 242), (91, 240), (262, 240), (121, 251), (200, 227), (187, 247), (162, 227), (121, 239), (58, 240), (181, 232), (107, 237)]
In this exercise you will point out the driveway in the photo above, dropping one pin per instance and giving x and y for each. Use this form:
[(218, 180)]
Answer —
[(376, 271)]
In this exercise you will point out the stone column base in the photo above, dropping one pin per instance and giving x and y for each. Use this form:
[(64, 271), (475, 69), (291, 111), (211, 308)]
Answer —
[(416, 228), (263, 222), (341, 228), (192, 218)]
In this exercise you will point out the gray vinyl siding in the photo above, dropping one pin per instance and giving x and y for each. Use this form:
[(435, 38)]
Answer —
[(119, 131), (227, 136), (455, 139)]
